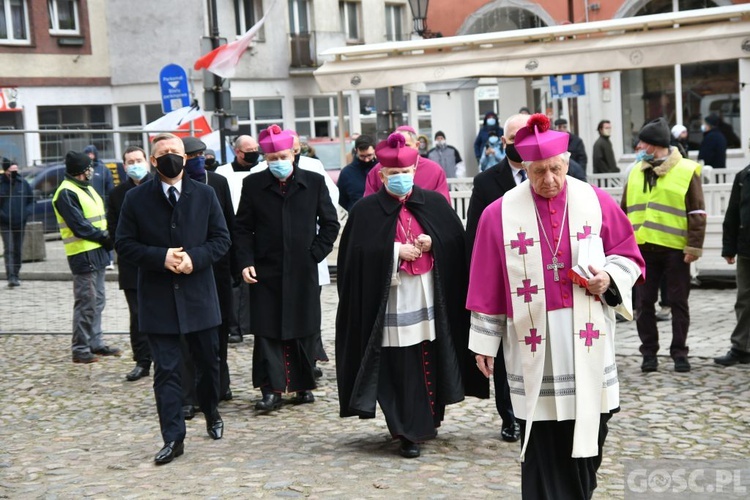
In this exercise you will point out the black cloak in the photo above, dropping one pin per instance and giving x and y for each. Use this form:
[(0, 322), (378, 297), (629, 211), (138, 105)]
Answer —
[(365, 263)]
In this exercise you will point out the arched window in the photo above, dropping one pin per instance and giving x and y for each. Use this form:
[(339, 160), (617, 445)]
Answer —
[(502, 19)]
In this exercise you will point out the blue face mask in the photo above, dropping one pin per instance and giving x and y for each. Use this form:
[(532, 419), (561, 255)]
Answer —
[(137, 171), (491, 122), (494, 139), (196, 168), (641, 155), (280, 168), (400, 184)]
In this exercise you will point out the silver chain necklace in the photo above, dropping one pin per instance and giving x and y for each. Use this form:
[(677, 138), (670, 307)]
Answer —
[(555, 263)]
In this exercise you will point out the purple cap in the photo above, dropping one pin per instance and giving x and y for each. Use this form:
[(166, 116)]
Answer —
[(273, 139), (536, 141), (393, 153)]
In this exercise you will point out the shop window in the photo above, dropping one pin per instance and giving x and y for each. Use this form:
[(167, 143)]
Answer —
[(318, 116), (706, 88), (54, 146)]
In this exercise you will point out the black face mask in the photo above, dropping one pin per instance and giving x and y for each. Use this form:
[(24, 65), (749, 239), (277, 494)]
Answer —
[(14, 175), (170, 165), (251, 157), (211, 164), (512, 153), (368, 164)]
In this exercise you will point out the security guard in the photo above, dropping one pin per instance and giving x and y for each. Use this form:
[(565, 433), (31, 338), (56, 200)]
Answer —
[(83, 227), (664, 201)]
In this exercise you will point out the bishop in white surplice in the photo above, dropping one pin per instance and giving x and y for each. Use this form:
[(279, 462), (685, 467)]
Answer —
[(557, 336)]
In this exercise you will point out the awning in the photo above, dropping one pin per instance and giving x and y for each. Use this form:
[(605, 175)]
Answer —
[(715, 34)]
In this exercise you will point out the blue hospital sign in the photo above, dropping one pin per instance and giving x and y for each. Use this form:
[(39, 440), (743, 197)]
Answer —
[(174, 88), (563, 86)]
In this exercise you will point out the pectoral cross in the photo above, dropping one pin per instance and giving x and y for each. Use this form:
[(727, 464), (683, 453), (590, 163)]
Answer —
[(554, 267)]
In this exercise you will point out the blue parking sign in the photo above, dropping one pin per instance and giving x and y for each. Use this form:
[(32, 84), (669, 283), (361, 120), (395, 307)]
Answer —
[(563, 86), (174, 88)]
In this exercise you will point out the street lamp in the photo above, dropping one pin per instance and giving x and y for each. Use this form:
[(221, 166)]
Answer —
[(419, 15)]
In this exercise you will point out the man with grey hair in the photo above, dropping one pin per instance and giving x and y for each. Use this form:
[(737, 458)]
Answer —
[(555, 323)]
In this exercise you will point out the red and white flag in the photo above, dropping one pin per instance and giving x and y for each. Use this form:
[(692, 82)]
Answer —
[(181, 119), (223, 61)]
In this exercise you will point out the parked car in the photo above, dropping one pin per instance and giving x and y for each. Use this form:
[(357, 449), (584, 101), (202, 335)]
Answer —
[(328, 152), (44, 181)]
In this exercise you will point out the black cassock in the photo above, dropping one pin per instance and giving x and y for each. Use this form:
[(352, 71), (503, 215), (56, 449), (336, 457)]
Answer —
[(276, 231), (367, 372)]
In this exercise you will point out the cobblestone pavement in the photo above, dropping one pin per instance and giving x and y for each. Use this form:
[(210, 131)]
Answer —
[(73, 431)]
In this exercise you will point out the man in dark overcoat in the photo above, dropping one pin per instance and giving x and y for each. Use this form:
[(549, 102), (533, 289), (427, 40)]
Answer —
[(173, 229), (135, 164), (278, 251)]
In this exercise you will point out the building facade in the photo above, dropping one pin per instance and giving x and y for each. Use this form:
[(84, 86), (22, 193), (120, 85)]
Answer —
[(94, 64)]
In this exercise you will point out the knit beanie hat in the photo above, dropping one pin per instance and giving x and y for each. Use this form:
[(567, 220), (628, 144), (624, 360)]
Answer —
[(677, 130), (656, 133), (76, 163)]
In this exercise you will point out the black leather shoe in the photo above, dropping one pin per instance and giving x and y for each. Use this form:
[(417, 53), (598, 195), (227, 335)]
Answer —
[(511, 433), (235, 339), (303, 397), (269, 402), (188, 411), (650, 364), (171, 450), (227, 396), (732, 358), (215, 427), (681, 365), (317, 372), (408, 449), (137, 373)]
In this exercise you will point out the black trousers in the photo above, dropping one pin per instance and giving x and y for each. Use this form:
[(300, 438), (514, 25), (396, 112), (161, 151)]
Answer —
[(549, 472), (669, 264), (138, 340), (502, 391), (189, 370), (167, 355), (12, 247)]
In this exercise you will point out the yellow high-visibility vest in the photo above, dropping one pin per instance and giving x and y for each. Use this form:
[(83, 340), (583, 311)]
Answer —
[(659, 215), (93, 210)]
